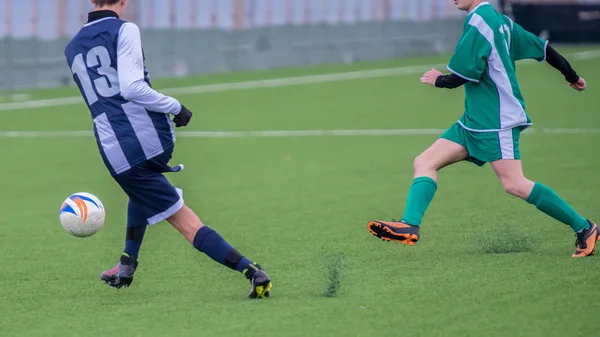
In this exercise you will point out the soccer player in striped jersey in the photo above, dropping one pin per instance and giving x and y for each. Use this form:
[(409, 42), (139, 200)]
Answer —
[(489, 130), (135, 136)]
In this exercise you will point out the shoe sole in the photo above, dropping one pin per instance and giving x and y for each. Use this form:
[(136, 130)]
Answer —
[(581, 255), (386, 234), (122, 282), (263, 291), (107, 279)]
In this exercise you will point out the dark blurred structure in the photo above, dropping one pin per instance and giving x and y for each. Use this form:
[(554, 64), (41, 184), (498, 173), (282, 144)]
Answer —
[(560, 21)]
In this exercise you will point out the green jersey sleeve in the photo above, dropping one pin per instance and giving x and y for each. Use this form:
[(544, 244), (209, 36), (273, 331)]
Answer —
[(526, 45), (470, 57)]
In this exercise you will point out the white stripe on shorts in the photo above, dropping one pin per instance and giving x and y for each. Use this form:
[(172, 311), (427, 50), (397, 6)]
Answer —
[(168, 213), (507, 146)]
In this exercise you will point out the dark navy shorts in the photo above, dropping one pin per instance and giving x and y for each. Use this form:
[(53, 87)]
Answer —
[(151, 195)]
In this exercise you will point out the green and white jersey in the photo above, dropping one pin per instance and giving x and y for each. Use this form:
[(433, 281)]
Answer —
[(486, 56)]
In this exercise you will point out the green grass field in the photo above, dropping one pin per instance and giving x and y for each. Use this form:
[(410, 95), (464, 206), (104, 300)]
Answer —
[(487, 264)]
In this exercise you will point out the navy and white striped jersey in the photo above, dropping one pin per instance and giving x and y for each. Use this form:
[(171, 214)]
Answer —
[(131, 120)]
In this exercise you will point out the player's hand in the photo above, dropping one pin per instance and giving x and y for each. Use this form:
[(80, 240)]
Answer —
[(430, 77), (183, 117), (579, 85)]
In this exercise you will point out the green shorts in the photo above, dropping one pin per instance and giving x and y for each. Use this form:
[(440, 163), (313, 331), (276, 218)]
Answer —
[(486, 147)]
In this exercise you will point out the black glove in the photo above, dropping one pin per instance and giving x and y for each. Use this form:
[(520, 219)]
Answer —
[(183, 117)]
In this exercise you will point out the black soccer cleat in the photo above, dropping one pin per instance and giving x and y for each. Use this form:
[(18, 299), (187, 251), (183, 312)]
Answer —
[(260, 282), (122, 274)]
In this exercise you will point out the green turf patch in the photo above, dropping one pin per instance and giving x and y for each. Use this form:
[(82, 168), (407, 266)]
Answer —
[(299, 207)]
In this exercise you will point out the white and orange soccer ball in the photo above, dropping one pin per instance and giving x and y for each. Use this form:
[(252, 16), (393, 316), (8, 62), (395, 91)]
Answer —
[(82, 214)]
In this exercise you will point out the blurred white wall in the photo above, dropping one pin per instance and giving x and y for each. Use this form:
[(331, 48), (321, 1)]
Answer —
[(49, 19)]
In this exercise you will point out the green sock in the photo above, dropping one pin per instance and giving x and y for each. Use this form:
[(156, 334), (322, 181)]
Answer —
[(420, 195), (550, 203)]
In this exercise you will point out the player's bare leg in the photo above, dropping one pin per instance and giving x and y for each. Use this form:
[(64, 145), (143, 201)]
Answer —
[(212, 244), (406, 231), (510, 173), (186, 222), (440, 154)]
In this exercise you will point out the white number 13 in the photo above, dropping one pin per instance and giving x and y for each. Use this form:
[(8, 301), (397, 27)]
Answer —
[(107, 85)]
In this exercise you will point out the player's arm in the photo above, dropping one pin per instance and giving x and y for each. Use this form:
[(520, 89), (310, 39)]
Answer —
[(561, 64), (468, 62), (130, 60), (451, 81), (435, 78), (526, 45)]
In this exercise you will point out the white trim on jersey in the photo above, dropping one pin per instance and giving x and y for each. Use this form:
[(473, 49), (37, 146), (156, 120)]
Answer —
[(526, 125), (511, 111), (545, 52), (130, 64), (461, 76), (476, 7), (100, 20), (512, 23)]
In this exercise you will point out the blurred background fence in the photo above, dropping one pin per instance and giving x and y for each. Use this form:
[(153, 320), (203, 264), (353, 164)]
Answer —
[(188, 37)]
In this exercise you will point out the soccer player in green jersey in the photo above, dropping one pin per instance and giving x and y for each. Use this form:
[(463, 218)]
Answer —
[(488, 131)]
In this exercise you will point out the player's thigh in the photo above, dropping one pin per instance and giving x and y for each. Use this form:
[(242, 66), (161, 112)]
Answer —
[(508, 169), (441, 153), (505, 155)]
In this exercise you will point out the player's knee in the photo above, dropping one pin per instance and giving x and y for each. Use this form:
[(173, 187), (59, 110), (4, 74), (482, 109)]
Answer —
[(421, 163), (511, 189), (516, 187), (425, 164)]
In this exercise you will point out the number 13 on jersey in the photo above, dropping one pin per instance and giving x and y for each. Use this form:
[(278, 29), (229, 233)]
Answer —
[(98, 60)]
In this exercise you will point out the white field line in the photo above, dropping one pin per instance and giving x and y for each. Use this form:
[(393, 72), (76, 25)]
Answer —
[(586, 55), (279, 134), (246, 85), (268, 83)]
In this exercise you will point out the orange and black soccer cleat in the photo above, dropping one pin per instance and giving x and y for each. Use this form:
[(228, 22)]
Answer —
[(395, 231), (586, 241)]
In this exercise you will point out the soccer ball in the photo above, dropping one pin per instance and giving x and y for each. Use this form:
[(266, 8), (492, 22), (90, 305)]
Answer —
[(82, 214)]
